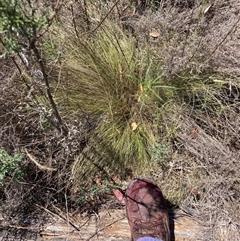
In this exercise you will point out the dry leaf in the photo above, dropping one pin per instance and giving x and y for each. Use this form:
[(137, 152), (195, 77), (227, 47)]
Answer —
[(134, 126), (154, 34)]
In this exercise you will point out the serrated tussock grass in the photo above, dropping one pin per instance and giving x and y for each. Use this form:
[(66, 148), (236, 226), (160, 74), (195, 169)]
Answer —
[(106, 78)]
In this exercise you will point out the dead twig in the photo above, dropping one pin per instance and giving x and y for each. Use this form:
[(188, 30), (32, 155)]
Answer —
[(40, 166)]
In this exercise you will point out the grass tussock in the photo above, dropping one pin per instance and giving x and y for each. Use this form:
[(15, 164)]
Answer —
[(121, 88)]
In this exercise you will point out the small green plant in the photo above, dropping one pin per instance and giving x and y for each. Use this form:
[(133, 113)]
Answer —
[(93, 192), (16, 24), (9, 165), (158, 151)]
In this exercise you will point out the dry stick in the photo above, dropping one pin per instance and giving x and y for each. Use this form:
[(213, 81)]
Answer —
[(59, 216), (57, 8), (228, 33), (40, 166), (66, 206), (45, 76), (99, 25), (66, 218), (74, 23), (86, 17), (49, 93), (98, 231), (86, 14), (101, 22)]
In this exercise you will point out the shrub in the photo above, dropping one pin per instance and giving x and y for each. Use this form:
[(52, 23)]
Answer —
[(9, 165)]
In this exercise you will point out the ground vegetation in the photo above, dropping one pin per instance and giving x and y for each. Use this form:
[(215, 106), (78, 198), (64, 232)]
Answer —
[(94, 93)]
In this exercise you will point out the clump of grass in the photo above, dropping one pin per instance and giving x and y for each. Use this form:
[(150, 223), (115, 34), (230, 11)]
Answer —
[(106, 78)]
